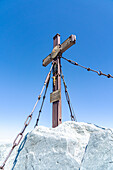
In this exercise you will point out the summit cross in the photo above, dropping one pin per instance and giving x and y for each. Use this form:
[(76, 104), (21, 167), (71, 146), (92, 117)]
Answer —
[(55, 57)]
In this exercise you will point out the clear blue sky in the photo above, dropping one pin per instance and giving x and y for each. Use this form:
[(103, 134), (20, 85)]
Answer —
[(26, 32)]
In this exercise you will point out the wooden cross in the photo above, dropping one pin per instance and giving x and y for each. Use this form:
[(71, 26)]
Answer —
[(55, 97)]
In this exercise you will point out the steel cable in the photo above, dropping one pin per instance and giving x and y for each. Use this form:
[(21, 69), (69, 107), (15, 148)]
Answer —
[(42, 103), (87, 68), (73, 117)]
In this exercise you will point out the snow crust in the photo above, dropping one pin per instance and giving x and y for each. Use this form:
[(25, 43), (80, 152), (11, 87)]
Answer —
[(70, 146)]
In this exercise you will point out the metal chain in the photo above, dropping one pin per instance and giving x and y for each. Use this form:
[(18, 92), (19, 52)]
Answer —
[(73, 117), (87, 68), (27, 122), (44, 96)]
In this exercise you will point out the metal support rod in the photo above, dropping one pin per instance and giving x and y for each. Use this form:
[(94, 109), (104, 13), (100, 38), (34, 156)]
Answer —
[(56, 108)]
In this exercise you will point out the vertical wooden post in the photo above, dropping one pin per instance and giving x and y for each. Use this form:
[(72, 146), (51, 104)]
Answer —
[(56, 108)]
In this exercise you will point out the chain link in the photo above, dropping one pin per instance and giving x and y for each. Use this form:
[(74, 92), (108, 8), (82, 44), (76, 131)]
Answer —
[(73, 117), (27, 122), (87, 68)]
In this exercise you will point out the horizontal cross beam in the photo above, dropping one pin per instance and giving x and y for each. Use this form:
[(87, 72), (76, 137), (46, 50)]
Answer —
[(60, 48)]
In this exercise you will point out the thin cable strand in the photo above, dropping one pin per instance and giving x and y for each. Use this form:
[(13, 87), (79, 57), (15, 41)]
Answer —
[(87, 68)]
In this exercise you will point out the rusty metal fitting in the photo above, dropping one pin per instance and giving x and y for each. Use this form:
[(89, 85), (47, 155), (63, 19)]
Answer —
[(76, 63), (108, 76), (88, 69), (39, 97), (44, 97), (70, 61), (100, 73)]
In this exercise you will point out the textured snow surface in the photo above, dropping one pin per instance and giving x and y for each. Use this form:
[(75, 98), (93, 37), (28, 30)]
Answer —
[(70, 146)]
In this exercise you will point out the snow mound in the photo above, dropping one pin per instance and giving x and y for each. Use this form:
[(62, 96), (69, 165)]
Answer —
[(70, 146)]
